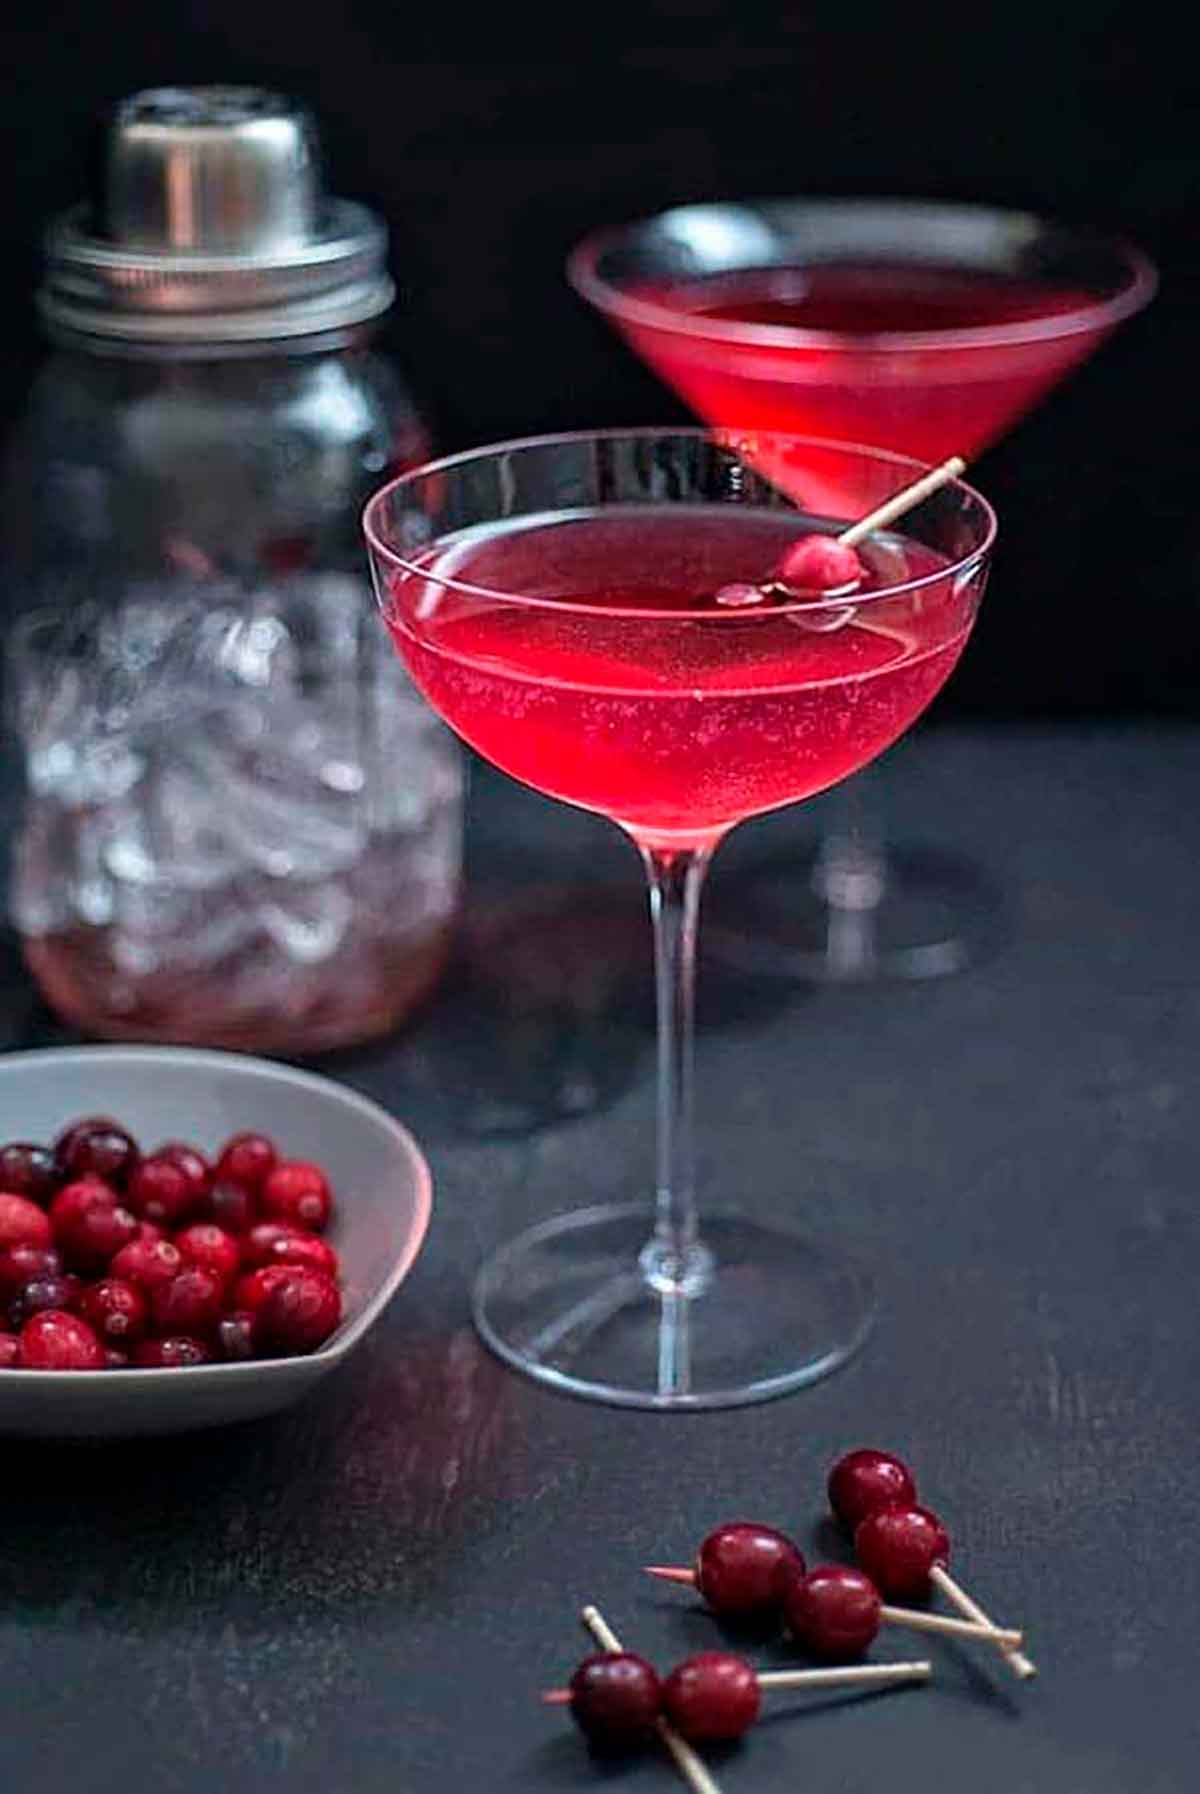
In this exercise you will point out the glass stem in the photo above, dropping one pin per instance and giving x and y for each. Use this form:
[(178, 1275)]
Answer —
[(674, 1261)]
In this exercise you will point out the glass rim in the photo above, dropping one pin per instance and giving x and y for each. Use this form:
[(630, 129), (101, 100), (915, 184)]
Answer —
[(383, 550), (581, 268)]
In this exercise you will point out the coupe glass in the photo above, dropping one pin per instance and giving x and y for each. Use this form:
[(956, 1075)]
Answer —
[(554, 600), (926, 328)]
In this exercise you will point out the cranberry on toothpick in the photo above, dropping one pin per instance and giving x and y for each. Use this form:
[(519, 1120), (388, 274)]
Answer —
[(615, 1699), (834, 1612), (862, 1481), (739, 1570)]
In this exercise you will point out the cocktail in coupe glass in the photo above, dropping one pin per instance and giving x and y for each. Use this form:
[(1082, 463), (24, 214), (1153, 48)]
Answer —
[(926, 328), (563, 604)]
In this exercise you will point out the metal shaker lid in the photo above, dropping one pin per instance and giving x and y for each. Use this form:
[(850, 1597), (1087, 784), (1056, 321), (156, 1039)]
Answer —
[(214, 229)]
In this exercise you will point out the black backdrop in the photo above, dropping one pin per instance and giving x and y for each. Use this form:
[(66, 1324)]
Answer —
[(491, 140)]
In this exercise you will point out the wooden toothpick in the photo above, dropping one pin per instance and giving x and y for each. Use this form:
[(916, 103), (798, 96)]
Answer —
[(690, 1766), (1021, 1665), (903, 501)]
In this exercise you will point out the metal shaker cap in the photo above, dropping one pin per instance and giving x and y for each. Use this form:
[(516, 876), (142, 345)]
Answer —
[(214, 229)]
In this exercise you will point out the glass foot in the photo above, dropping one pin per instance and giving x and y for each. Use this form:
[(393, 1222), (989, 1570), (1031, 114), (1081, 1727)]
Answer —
[(569, 1303), (932, 914)]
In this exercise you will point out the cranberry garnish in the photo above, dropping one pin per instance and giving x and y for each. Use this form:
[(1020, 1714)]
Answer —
[(616, 1699), (10, 1351), (865, 1480), (261, 1244), (116, 1310), (741, 1568), (22, 1223), (161, 1191), (230, 1206), (21, 1264), (252, 1290), (819, 564), (712, 1697), (30, 1171), (174, 1353), (246, 1160), (148, 1263), (299, 1314), (204, 1243), (298, 1192), (237, 1335), (833, 1612), (90, 1227), (898, 1547), (53, 1340), (192, 1163), (190, 1303), (97, 1147), (58, 1290)]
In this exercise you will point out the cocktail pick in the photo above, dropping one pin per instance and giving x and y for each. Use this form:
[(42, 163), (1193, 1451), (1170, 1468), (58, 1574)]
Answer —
[(691, 1767), (850, 1675)]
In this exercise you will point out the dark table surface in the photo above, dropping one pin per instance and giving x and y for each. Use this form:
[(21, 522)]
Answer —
[(365, 1595)]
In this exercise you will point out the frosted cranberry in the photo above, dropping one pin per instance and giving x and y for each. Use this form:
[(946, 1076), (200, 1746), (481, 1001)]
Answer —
[(819, 564), (203, 1243), (161, 1191), (712, 1697), (116, 1310), (252, 1290), (59, 1290), (192, 1162), (174, 1353), (865, 1480), (833, 1612), (19, 1265), (260, 1245), (230, 1206), (298, 1192), (53, 1340), (616, 1699), (246, 1160), (115, 1359), (190, 1303), (237, 1336), (97, 1147), (10, 1351), (740, 1569), (898, 1547), (22, 1223), (90, 1227), (299, 1313), (30, 1171), (148, 1263)]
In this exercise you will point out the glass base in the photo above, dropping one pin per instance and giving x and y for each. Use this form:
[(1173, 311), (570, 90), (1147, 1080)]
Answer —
[(579, 1303), (932, 914)]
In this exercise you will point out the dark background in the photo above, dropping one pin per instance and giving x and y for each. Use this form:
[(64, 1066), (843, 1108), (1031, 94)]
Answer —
[(491, 140)]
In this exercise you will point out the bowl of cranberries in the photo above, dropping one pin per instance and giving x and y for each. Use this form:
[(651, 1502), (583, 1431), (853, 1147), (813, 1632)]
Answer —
[(189, 1238)]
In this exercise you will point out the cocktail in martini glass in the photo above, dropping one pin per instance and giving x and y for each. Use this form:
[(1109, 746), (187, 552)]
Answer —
[(926, 328), (600, 616)]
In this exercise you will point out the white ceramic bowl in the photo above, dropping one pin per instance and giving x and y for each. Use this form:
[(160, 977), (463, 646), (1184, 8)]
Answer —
[(380, 1179)]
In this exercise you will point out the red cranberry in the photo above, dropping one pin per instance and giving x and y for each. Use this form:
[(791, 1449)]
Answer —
[(115, 1359), (77, 1199), (307, 1249), (89, 1225), (299, 1314), (261, 1243), (30, 1171), (192, 1163), (22, 1223), (203, 1243), (148, 1263), (10, 1351), (116, 1310), (230, 1206), (59, 1290), (298, 1192), (161, 1191), (616, 1699), (712, 1697), (190, 1303), (898, 1547), (819, 564), (174, 1353), (21, 1264), (246, 1160), (865, 1480), (237, 1335), (741, 1567), (97, 1147), (252, 1290), (833, 1612), (53, 1340), (149, 1231)]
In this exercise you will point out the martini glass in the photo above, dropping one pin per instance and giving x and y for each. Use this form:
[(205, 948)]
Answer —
[(926, 328), (556, 602)]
